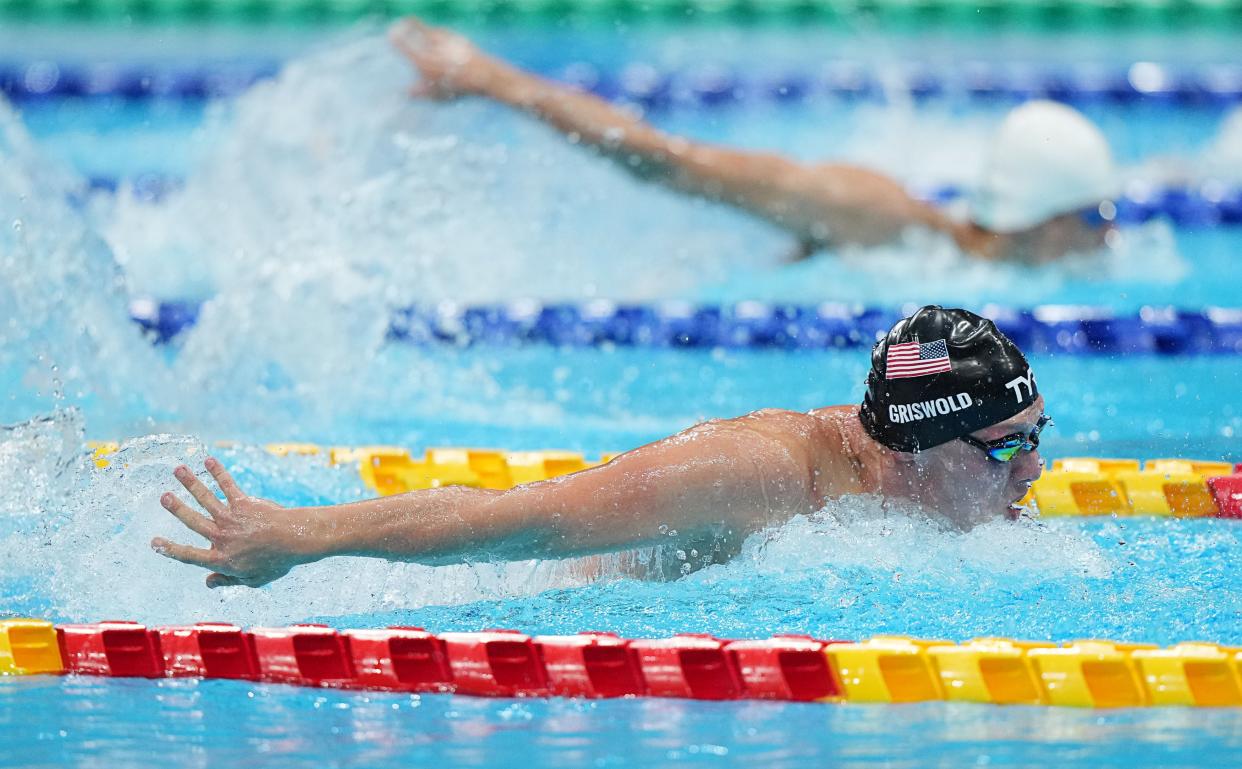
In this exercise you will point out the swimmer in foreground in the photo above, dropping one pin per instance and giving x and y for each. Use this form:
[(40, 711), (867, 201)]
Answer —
[(1047, 189), (950, 423)]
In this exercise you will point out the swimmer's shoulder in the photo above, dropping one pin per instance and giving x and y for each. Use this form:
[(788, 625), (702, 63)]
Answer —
[(824, 439), (822, 431), (827, 421), (835, 421)]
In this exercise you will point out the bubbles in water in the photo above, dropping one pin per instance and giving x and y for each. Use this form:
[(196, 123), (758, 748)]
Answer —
[(1223, 158), (862, 532), (38, 461), (332, 168), (74, 539), (1142, 255), (62, 298)]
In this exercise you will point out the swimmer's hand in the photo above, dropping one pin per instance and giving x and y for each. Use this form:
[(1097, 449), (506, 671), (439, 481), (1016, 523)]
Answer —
[(450, 65), (253, 541)]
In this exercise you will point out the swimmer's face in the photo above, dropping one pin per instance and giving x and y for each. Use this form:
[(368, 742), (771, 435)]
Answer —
[(1077, 232), (970, 488)]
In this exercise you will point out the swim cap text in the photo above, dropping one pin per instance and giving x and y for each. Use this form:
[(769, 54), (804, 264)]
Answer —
[(913, 412), (1020, 382)]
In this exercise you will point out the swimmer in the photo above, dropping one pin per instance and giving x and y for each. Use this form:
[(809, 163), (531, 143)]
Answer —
[(950, 423), (1047, 189)]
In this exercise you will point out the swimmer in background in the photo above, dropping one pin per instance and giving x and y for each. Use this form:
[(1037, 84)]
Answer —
[(950, 423), (1047, 189)]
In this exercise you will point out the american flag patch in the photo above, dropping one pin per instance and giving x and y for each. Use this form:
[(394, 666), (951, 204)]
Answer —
[(911, 359)]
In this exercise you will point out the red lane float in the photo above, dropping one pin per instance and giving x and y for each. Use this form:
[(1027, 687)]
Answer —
[(399, 658), (1227, 492), (785, 667), (692, 665), (111, 648), (308, 655), (506, 663), (495, 663), (208, 650), (590, 665)]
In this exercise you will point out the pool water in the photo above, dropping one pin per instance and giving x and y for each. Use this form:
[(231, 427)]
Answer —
[(316, 203), (217, 722)]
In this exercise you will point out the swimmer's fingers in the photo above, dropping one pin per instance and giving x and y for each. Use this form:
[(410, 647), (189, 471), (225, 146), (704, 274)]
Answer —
[(195, 556), (409, 33), (216, 579), (193, 520), (232, 492), (203, 495), (432, 91)]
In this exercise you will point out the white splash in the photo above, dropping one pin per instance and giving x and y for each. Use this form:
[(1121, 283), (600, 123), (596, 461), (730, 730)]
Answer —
[(332, 164), (81, 534), (1222, 160), (64, 329), (1138, 256), (866, 532)]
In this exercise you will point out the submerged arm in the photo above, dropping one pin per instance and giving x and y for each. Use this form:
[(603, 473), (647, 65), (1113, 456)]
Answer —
[(725, 479)]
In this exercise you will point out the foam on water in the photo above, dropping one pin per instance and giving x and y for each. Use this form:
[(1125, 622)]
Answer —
[(64, 331), (76, 554), (332, 163), (1143, 580), (1138, 258), (1222, 160), (292, 335)]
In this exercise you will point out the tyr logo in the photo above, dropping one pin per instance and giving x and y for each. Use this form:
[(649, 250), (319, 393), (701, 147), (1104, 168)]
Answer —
[(1022, 382)]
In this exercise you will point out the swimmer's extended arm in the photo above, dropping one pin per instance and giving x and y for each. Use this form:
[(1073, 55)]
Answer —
[(723, 478), (843, 203)]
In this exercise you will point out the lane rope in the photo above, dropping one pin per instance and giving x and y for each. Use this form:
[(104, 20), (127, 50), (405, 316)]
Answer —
[(508, 663), (898, 14), (703, 87), (1047, 329)]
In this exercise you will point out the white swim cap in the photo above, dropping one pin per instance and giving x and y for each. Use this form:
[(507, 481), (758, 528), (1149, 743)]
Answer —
[(1047, 159)]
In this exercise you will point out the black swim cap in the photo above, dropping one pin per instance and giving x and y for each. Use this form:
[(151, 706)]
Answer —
[(941, 374)]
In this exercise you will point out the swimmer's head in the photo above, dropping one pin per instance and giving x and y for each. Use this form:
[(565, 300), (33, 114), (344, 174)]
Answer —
[(1049, 177), (945, 387)]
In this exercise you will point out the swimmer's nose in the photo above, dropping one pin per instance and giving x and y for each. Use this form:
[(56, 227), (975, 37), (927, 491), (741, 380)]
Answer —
[(1029, 466)]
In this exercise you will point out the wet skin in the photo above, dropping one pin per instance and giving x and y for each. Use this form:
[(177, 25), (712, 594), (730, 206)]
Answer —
[(719, 481)]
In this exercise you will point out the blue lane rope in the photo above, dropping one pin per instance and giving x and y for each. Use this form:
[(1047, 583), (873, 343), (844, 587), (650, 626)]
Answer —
[(1211, 204), (702, 87), (759, 325)]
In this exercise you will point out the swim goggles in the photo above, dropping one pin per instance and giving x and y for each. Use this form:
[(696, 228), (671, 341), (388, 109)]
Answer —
[(1005, 449)]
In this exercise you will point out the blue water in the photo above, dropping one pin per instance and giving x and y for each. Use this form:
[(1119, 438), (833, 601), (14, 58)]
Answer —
[(222, 723), (316, 203)]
